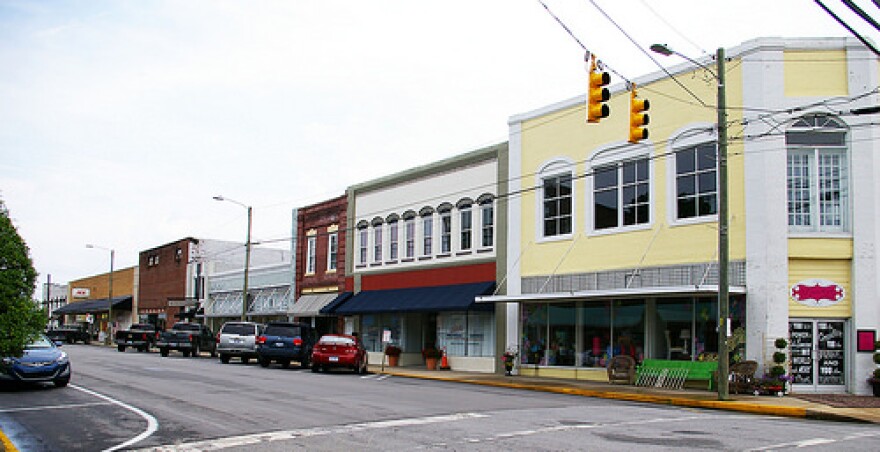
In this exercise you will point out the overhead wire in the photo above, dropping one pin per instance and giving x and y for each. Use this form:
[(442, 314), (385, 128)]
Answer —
[(848, 27)]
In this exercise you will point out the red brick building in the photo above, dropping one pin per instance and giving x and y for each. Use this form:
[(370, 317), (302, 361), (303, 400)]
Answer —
[(163, 277)]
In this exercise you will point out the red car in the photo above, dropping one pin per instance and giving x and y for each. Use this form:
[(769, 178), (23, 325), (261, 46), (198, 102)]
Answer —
[(339, 350)]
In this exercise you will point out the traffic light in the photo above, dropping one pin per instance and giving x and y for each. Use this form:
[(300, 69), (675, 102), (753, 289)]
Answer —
[(638, 119), (598, 94)]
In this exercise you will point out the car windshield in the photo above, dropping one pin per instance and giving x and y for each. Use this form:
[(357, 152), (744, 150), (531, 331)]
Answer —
[(241, 329), (186, 326), (283, 330), (337, 340), (40, 342)]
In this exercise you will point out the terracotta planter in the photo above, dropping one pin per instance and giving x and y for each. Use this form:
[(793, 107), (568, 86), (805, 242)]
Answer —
[(393, 360), (431, 363)]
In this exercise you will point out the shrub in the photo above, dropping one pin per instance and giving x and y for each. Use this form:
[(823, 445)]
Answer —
[(779, 357), (781, 343), (392, 350)]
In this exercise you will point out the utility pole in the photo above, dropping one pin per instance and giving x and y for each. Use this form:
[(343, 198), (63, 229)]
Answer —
[(247, 265), (723, 236)]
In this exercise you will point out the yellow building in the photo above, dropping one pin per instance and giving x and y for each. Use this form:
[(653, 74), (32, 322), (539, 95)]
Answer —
[(88, 300), (613, 246)]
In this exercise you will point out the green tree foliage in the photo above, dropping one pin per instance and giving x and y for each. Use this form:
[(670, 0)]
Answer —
[(20, 318)]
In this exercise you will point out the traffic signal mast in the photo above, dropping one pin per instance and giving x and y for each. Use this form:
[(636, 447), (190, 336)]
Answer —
[(598, 94), (638, 119)]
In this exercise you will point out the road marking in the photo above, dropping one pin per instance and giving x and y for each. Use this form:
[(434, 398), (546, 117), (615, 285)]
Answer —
[(53, 407), (377, 377), (152, 423), (817, 441), (287, 435)]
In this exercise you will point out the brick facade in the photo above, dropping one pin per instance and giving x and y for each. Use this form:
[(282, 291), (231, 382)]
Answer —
[(320, 221), (163, 273)]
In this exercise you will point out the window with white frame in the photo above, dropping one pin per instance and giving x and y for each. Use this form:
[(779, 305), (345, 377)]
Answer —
[(363, 238), (377, 242), (410, 233), (427, 234), (487, 228), (621, 194), (392, 240), (557, 194), (466, 218), (696, 181), (446, 231), (817, 175), (311, 254), (332, 250)]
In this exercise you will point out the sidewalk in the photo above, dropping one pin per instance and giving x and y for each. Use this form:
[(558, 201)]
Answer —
[(769, 405)]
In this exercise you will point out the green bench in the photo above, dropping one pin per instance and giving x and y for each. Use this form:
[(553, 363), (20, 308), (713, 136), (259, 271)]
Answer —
[(655, 372)]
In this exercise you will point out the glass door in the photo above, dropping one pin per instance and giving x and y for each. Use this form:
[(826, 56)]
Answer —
[(817, 354)]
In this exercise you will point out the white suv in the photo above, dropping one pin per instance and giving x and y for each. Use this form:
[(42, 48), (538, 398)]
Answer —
[(238, 339)]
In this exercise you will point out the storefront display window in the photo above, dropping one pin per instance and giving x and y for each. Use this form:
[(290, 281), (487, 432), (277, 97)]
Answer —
[(674, 326), (561, 350), (596, 328), (534, 321), (628, 321), (372, 326)]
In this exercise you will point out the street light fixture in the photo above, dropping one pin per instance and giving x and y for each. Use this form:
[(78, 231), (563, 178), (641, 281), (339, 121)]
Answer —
[(247, 255), (108, 339), (723, 232)]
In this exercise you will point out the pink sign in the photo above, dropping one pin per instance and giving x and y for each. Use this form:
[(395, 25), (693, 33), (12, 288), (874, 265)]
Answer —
[(817, 293)]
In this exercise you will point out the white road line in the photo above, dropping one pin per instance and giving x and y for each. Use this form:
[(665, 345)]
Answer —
[(816, 441), (152, 423), (52, 407), (286, 435)]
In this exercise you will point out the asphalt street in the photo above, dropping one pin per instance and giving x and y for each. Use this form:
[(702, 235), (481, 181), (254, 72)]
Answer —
[(143, 401)]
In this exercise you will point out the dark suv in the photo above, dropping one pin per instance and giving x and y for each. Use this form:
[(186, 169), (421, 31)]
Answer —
[(284, 342)]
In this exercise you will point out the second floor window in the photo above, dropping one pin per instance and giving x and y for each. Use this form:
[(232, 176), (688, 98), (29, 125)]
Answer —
[(362, 239), (427, 234), (377, 243), (466, 228), (410, 226), (311, 255), (445, 232), (696, 181), (557, 205), (621, 194), (487, 212), (332, 251), (392, 240)]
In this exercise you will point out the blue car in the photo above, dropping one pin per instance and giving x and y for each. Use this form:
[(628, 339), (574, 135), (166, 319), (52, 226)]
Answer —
[(41, 362)]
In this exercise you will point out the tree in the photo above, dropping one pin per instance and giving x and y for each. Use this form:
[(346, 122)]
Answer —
[(20, 318)]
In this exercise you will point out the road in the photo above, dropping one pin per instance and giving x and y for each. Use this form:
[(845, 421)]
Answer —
[(142, 401)]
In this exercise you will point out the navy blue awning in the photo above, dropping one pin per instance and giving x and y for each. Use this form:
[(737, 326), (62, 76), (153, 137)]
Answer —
[(93, 306), (458, 297), (330, 308)]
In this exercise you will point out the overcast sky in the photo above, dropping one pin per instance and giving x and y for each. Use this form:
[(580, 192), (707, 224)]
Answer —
[(119, 120)]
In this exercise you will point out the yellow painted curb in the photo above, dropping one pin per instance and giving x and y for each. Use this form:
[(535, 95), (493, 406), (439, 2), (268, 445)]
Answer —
[(7, 444)]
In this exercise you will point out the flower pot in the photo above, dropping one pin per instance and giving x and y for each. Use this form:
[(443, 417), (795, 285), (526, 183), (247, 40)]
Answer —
[(875, 384), (393, 360), (431, 363)]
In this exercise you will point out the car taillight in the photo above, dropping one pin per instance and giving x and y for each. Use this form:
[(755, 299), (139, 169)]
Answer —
[(218, 338), (261, 339), (190, 337), (297, 341), (145, 336), (157, 335)]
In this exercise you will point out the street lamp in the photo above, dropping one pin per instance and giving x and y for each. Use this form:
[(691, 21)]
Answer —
[(247, 255), (108, 339), (723, 239)]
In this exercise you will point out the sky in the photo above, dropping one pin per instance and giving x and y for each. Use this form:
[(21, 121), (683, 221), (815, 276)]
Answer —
[(120, 120)]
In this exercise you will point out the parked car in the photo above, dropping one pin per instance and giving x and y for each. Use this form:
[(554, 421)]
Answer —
[(140, 336), (188, 338), (238, 339), (339, 350), (70, 334), (284, 342), (41, 362)]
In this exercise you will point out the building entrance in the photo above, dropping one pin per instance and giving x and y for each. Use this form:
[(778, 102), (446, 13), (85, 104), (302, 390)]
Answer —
[(818, 350)]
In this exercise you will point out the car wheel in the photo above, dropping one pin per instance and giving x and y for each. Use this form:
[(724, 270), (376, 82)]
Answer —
[(306, 362), (120, 348), (195, 351), (214, 352), (245, 360), (363, 368), (61, 383), (316, 368), (87, 341), (142, 349), (163, 351), (70, 340), (224, 359), (285, 363), (185, 353), (264, 362)]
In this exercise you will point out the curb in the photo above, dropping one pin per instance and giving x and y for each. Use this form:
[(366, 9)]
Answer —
[(6, 443), (743, 407)]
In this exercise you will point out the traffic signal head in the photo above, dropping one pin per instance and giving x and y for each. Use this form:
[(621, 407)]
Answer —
[(638, 119), (598, 94)]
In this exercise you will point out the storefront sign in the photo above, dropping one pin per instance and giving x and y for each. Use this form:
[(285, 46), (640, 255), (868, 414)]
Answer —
[(817, 293), (80, 292)]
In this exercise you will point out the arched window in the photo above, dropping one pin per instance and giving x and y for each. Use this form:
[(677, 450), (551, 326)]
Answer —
[(817, 175)]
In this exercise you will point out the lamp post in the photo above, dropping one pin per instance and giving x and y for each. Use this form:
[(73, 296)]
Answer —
[(723, 232), (108, 339), (247, 255)]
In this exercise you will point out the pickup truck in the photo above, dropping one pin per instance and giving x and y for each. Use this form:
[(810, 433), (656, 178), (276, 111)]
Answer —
[(70, 334), (140, 336), (188, 338)]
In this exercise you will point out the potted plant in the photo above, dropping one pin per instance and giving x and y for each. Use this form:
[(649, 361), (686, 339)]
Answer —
[(776, 381), (508, 358), (874, 380), (393, 353), (431, 355)]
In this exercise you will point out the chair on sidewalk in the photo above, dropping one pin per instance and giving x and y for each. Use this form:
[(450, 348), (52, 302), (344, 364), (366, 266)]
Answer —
[(742, 376), (622, 369)]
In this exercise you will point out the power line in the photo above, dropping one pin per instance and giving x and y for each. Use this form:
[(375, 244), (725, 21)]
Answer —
[(851, 29)]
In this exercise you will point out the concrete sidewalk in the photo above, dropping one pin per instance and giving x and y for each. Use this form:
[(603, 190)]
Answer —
[(770, 405)]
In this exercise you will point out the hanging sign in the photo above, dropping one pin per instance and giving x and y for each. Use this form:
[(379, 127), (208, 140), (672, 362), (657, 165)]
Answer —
[(78, 292), (817, 293)]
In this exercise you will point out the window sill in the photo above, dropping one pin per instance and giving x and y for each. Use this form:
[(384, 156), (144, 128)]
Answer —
[(444, 255), (376, 264), (464, 253), (621, 230), (425, 258), (360, 266), (554, 238), (485, 250), (391, 262), (409, 259)]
